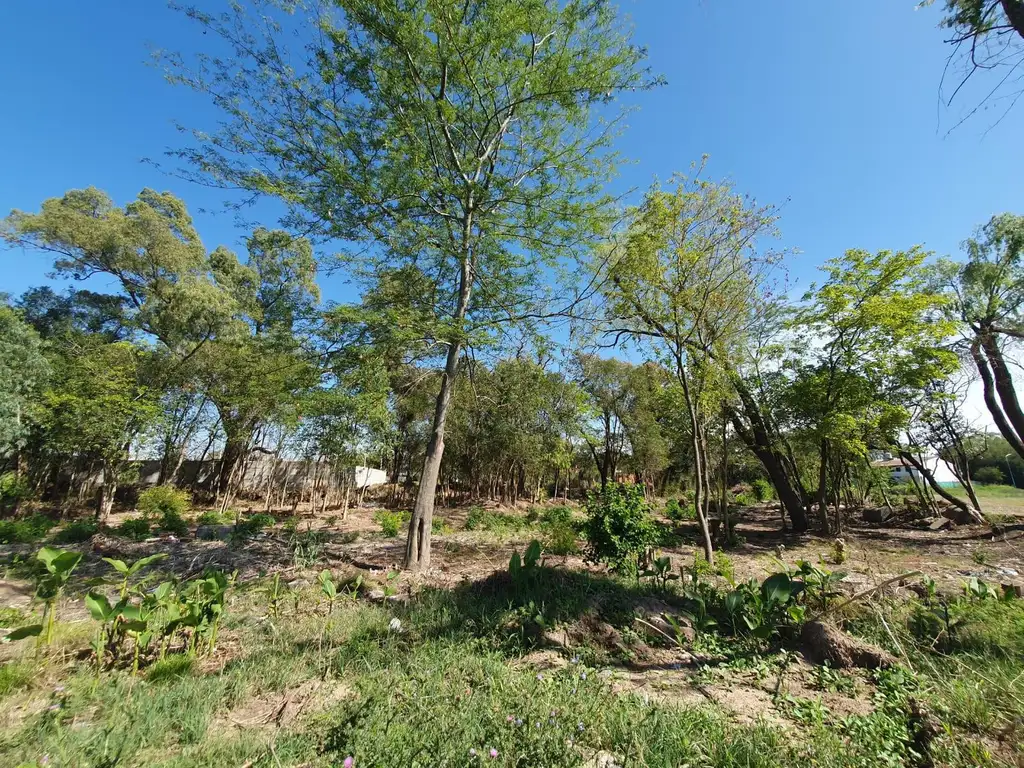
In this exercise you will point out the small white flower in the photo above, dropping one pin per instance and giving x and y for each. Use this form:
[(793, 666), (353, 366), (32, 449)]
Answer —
[(395, 625)]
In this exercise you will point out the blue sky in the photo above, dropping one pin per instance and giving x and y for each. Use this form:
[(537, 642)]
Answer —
[(830, 108)]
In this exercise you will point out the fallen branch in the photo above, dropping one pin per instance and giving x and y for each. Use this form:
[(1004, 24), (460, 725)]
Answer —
[(865, 593)]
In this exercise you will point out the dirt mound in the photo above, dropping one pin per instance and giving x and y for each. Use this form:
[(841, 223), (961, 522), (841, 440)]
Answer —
[(825, 642)]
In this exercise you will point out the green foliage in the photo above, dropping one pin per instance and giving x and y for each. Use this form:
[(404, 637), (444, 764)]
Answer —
[(23, 373), (13, 490), (391, 523), (15, 676), (213, 517), (76, 532), (619, 528), (990, 476), (679, 511), (157, 501), (134, 528), (251, 525), (26, 530), (762, 489), (50, 585), (171, 521), (744, 499), (494, 521), (660, 572)]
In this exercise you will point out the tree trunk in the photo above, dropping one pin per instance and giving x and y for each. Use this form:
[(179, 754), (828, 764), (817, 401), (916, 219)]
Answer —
[(1004, 385), (700, 466), (417, 548), (105, 500), (991, 402), (823, 486), (926, 473)]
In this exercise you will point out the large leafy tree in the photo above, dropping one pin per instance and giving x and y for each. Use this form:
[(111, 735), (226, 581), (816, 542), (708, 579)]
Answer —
[(23, 373), (869, 341), (986, 299), (685, 280), (470, 139)]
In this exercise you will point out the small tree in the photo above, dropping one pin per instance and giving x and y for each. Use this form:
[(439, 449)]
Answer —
[(619, 527), (990, 476)]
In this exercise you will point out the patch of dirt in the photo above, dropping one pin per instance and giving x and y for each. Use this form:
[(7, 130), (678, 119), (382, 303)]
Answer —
[(15, 594), (282, 709)]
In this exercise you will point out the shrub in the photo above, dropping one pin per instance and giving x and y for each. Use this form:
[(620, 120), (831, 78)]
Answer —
[(480, 519), (619, 527), (561, 540), (26, 530), (677, 512), (558, 517), (762, 490), (210, 517), (744, 499), (13, 490), (134, 528), (253, 524), (76, 532), (159, 500), (990, 476), (391, 522), (172, 522), (439, 525)]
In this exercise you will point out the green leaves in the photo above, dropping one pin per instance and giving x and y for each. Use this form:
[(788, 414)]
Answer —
[(58, 562), (327, 585), (98, 606)]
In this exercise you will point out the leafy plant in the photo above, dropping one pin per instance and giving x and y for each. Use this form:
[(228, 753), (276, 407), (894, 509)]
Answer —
[(127, 571), (26, 530), (679, 511), (619, 528), (307, 547), (391, 522), (49, 588), (660, 572), (212, 517), (821, 585), (14, 489), (172, 522), (136, 528), (76, 532), (990, 476), (161, 499), (827, 678), (328, 588), (762, 489), (520, 567)]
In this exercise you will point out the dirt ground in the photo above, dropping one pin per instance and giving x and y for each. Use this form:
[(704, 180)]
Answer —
[(873, 554)]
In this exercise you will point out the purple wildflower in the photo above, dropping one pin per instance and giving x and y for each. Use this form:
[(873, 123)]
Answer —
[(493, 753), (349, 762)]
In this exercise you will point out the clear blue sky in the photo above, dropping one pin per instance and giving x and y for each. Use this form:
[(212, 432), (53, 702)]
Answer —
[(831, 106)]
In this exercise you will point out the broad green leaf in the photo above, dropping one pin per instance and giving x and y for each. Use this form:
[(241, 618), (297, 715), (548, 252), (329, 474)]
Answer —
[(118, 565), (532, 555), (65, 562), (32, 630), (98, 606), (47, 555), (138, 565), (778, 588)]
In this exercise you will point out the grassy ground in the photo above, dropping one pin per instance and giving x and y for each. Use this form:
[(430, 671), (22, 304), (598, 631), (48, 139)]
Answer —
[(552, 670)]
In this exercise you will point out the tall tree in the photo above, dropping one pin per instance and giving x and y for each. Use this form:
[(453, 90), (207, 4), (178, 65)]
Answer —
[(685, 280), (986, 35), (470, 138), (986, 298), (23, 373)]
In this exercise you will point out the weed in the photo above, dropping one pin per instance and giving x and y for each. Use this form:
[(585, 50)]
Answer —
[(438, 525), (26, 530), (762, 489), (76, 532), (171, 521), (253, 524), (660, 572), (307, 547), (158, 501), (49, 588), (213, 517), (979, 556), (480, 519), (391, 522), (678, 511), (136, 528), (15, 675), (827, 678)]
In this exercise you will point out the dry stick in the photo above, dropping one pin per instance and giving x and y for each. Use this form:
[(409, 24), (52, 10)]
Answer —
[(865, 593)]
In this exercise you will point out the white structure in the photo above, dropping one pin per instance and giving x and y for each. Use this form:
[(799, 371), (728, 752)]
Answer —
[(901, 474), (367, 477)]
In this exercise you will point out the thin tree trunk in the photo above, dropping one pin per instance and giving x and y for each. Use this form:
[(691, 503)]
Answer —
[(926, 473), (699, 499)]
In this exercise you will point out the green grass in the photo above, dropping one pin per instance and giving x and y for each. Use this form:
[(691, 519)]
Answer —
[(450, 679)]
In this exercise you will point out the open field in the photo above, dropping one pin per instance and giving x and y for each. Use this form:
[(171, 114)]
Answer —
[(568, 666)]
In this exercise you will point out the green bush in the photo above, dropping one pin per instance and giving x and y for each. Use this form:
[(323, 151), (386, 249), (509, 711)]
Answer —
[(480, 519), (762, 490), (744, 499), (253, 524), (562, 540), (13, 489), (677, 512), (26, 530), (619, 528), (172, 522), (212, 517), (558, 517), (76, 532), (990, 476), (134, 528), (391, 522), (158, 501), (439, 525)]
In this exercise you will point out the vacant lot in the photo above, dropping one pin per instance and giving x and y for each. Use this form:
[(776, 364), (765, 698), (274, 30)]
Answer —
[(558, 664)]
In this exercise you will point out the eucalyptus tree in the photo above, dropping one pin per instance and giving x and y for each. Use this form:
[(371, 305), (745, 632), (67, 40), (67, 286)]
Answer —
[(470, 138), (606, 382)]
